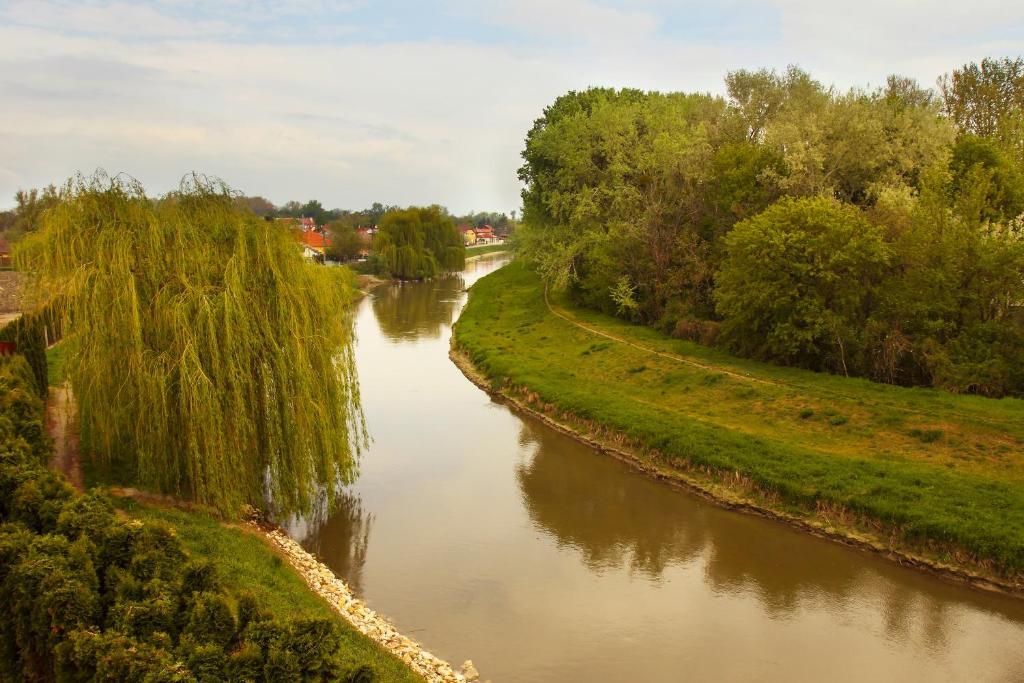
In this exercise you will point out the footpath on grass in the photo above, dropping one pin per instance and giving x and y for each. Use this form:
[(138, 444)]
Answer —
[(921, 476)]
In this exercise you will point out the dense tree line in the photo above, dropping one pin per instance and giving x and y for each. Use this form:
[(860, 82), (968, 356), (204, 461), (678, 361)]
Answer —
[(870, 232), (418, 243), (500, 221)]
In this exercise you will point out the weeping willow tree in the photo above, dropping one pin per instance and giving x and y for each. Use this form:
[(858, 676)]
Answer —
[(203, 350), (418, 243)]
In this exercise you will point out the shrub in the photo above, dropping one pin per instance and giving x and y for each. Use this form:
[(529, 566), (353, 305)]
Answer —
[(87, 596), (796, 282), (30, 333)]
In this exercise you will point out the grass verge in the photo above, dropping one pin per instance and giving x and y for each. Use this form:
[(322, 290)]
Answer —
[(246, 562), (486, 249), (55, 365), (921, 472)]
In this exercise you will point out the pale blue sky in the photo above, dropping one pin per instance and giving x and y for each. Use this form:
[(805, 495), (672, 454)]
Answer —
[(405, 102)]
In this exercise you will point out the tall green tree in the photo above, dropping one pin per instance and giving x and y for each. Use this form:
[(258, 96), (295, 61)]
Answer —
[(418, 243), (343, 244), (987, 99), (797, 283), (30, 206), (177, 373)]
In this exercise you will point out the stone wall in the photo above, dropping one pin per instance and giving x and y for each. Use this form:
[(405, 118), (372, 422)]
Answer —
[(10, 287)]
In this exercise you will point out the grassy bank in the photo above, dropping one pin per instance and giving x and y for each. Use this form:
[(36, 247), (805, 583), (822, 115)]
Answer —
[(247, 562), (919, 471), (55, 365), (486, 249)]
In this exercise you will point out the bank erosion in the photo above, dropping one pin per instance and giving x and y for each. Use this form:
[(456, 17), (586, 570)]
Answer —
[(923, 476)]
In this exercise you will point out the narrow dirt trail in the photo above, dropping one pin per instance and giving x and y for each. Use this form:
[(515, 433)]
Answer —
[(654, 352), (60, 424)]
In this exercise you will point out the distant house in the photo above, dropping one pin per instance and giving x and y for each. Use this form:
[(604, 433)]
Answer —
[(468, 235), (5, 253), (314, 245), (485, 234), (307, 224)]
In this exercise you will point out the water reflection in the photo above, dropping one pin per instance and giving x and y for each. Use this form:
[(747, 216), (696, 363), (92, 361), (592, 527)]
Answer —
[(410, 311), (617, 519), (497, 538), (598, 510), (341, 540)]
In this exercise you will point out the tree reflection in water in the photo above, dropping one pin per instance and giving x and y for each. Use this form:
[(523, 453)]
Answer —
[(340, 539), (617, 519), (407, 312)]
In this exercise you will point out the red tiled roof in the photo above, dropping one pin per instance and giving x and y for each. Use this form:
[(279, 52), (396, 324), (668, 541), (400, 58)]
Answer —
[(314, 240)]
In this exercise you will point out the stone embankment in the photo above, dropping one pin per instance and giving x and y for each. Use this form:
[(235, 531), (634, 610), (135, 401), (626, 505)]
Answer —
[(324, 583)]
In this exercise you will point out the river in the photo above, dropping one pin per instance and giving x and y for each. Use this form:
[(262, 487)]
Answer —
[(484, 534)]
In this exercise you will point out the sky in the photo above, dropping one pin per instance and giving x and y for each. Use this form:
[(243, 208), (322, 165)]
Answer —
[(406, 102)]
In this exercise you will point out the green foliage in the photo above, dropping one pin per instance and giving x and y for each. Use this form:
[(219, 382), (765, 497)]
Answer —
[(797, 280), (30, 333), (418, 243), (343, 244), (948, 313), (21, 410), (987, 99), (174, 368), (644, 205), (30, 207), (87, 595), (981, 160)]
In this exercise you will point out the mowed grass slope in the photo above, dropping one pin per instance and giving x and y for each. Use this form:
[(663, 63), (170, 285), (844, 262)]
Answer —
[(944, 472)]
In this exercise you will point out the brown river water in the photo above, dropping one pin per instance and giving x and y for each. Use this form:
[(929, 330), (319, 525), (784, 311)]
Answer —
[(484, 534)]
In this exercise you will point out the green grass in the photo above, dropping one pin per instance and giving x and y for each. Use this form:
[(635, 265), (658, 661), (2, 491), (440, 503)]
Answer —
[(247, 563), (945, 471), (55, 365), (486, 249)]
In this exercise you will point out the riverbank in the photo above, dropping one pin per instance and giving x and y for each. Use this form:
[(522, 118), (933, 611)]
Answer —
[(250, 554), (247, 557), (259, 558), (920, 476), (486, 249)]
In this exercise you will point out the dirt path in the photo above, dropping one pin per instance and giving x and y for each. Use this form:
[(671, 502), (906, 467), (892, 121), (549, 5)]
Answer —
[(60, 423), (670, 356)]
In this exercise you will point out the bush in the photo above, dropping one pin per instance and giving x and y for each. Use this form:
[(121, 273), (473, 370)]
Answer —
[(31, 332), (87, 596), (796, 282)]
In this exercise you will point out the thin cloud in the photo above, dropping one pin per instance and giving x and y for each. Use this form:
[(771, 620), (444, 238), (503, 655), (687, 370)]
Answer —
[(283, 100)]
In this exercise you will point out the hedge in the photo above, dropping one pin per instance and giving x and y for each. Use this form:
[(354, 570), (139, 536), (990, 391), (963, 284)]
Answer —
[(31, 332), (86, 595)]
